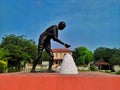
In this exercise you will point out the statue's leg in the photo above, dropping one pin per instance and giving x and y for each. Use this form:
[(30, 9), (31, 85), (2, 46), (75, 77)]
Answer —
[(49, 51), (35, 62)]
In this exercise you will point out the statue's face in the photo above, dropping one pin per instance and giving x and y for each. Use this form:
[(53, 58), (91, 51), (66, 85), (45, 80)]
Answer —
[(61, 27)]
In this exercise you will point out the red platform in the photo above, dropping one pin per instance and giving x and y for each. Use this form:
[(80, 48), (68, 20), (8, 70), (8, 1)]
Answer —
[(55, 81)]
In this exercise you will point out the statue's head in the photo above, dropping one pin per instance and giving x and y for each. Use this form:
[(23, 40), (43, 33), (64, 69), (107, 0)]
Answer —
[(61, 25)]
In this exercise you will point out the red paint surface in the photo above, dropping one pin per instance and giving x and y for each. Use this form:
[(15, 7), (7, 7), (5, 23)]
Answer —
[(45, 81)]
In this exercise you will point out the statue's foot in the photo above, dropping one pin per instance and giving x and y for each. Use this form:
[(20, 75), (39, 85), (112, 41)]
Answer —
[(50, 71), (32, 70)]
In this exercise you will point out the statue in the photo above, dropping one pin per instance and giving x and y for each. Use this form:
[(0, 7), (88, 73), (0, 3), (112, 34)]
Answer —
[(44, 43)]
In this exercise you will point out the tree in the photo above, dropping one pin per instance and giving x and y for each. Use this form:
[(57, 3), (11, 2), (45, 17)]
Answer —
[(103, 53), (19, 49), (45, 57), (3, 60), (109, 55), (82, 55), (3, 66), (3, 54), (115, 58)]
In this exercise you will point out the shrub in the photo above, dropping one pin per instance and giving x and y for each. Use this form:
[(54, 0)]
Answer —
[(11, 69), (93, 68), (3, 66), (117, 72)]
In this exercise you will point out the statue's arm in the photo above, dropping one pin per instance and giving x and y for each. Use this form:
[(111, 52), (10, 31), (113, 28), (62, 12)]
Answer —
[(58, 40), (66, 45), (55, 38)]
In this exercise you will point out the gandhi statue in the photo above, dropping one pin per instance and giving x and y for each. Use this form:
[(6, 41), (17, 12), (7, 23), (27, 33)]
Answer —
[(45, 43)]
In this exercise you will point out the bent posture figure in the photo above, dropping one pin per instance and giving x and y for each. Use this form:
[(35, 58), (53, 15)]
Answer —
[(44, 43)]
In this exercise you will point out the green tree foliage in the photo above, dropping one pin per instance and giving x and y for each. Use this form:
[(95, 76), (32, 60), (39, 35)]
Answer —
[(115, 58), (109, 55), (19, 49), (102, 53), (3, 54), (3, 66), (3, 60), (82, 55), (45, 57)]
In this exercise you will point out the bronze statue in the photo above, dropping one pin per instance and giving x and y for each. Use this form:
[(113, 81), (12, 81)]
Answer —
[(44, 43)]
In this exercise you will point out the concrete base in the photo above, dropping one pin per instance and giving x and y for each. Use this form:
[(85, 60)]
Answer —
[(55, 81)]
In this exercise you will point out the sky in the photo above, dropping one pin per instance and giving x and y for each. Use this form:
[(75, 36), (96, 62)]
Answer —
[(90, 23)]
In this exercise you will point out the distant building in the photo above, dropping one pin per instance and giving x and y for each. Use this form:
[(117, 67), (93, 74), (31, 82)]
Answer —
[(102, 65), (59, 54)]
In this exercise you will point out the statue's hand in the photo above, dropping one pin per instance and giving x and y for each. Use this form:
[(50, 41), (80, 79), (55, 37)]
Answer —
[(67, 46)]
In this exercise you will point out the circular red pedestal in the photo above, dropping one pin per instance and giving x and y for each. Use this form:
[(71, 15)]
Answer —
[(55, 81)]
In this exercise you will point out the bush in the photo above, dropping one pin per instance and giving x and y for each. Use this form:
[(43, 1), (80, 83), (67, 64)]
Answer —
[(93, 68), (117, 72), (3, 66), (108, 71), (11, 69)]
